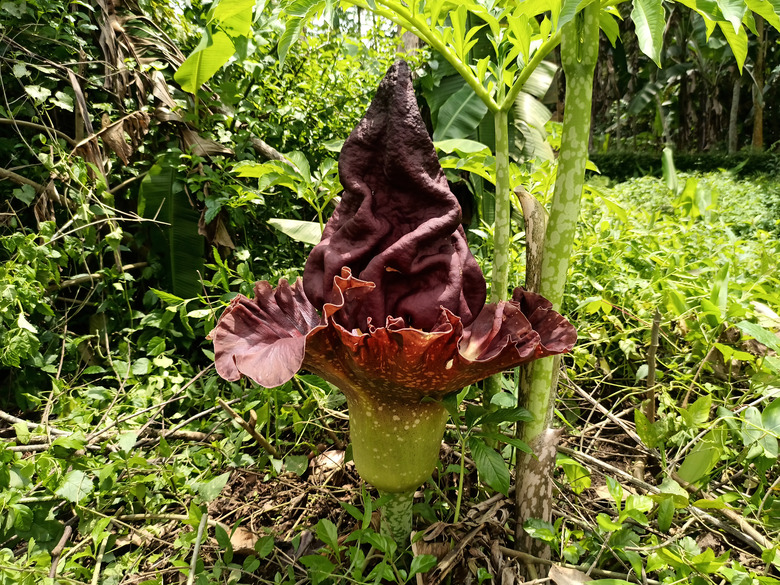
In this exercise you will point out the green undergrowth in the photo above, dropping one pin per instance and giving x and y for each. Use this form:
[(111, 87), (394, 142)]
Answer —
[(119, 450)]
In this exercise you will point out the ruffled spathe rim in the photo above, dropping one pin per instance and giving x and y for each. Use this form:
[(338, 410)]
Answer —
[(272, 336)]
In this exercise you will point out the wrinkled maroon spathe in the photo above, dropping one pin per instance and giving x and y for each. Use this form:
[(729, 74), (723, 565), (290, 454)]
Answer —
[(394, 301)]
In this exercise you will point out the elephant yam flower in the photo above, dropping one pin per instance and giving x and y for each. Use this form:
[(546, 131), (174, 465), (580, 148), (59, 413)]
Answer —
[(391, 308)]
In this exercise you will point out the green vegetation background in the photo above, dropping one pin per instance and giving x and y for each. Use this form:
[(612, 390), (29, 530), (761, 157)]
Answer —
[(112, 442)]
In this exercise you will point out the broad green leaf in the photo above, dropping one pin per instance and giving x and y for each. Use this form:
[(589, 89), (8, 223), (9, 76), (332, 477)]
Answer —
[(319, 568), (702, 458), (716, 504), (772, 364), (141, 367), (770, 11), (254, 169), (264, 546), (539, 529), (665, 514), (296, 464), (606, 523), (17, 9), (213, 52), (223, 540), (167, 297), (733, 11), (491, 467), (669, 487), (309, 232), (644, 97), (738, 42), (23, 323), (771, 418), (502, 438), (484, 166), (438, 96), (507, 415), (649, 21), (22, 432), (327, 533), (301, 164), (577, 474), (25, 194), (755, 436), (760, 334), (235, 16), (613, 207), (76, 486), (645, 429), (422, 564), (63, 100), (569, 9), (615, 490), (292, 31), (302, 8), (699, 411), (37, 93), (127, 441), (209, 490), (460, 115), (162, 197), (530, 110), (462, 146), (539, 82), (609, 26), (639, 503)]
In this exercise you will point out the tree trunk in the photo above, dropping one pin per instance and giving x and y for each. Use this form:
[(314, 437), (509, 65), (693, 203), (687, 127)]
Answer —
[(758, 87), (734, 115), (684, 114)]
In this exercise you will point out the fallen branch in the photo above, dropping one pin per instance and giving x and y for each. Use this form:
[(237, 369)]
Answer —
[(196, 550), (598, 572), (710, 521), (56, 552), (174, 517), (31, 425), (251, 429), (85, 278), (744, 525), (41, 127), (20, 180)]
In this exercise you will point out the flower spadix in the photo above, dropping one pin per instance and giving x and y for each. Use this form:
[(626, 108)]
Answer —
[(391, 308)]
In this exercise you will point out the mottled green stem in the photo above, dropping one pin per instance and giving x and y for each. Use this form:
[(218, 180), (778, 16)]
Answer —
[(397, 516), (502, 236), (579, 53)]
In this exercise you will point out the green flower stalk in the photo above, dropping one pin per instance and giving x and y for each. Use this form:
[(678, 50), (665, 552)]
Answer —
[(391, 308), (579, 52)]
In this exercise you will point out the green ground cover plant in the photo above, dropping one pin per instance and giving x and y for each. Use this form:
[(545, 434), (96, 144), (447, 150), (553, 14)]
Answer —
[(122, 468), (126, 459)]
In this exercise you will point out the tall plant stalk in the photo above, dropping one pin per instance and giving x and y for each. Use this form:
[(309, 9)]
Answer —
[(502, 236), (579, 52)]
